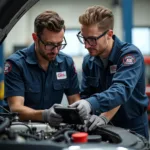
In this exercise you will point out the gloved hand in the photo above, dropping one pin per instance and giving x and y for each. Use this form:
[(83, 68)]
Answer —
[(95, 121), (84, 108), (50, 116), (83, 127)]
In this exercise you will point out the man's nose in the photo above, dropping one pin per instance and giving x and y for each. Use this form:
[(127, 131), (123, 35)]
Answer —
[(55, 49), (87, 45)]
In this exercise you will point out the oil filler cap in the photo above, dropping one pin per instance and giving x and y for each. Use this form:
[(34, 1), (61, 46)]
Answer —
[(80, 137)]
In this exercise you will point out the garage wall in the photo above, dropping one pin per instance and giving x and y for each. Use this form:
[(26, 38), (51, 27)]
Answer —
[(141, 12), (70, 10)]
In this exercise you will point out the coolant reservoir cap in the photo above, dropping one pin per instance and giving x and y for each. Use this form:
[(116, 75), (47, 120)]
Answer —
[(80, 137)]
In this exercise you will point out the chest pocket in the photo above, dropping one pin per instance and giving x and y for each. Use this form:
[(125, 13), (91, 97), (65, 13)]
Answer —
[(32, 88), (60, 85), (94, 83), (32, 95), (59, 88)]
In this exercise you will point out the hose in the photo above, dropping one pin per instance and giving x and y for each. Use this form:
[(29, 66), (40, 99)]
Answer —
[(4, 124), (67, 135)]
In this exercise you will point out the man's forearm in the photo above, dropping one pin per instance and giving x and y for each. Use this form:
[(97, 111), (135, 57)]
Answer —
[(110, 114), (73, 98), (26, 113)]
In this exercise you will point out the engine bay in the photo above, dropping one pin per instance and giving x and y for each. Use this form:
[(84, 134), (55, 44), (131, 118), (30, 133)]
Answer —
[(21, 135)]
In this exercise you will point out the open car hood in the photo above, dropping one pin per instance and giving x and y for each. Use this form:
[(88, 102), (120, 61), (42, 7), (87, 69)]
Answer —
[(10, 12)]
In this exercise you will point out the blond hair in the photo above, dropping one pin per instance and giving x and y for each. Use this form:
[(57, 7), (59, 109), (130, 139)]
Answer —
[(98, 15)]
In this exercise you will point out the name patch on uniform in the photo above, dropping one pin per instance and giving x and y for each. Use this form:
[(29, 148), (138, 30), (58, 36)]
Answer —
[(8, 67), (61, 75), (129, 60), (113, 69)]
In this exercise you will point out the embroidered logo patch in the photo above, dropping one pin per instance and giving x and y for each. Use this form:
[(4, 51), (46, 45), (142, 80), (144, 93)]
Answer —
[(129, 60), (113, 69), (8, 67), (61, 75)]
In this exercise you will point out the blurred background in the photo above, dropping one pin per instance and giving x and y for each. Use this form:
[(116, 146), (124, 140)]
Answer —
[(128, 13), (131, 25)]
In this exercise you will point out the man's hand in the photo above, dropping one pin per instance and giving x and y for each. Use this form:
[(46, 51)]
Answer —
[(84, 108), (95, 121), (50, 116)]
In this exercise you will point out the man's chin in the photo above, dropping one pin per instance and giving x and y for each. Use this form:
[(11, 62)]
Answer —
[(92, 54), (51, 59)]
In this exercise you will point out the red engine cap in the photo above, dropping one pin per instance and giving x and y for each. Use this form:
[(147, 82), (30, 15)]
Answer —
[(80, 137)]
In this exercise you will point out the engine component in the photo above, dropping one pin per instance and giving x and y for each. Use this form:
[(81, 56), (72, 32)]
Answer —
[(30, 135)]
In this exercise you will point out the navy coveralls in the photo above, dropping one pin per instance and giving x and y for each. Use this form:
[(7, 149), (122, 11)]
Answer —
[(24, 77), (122, 82)]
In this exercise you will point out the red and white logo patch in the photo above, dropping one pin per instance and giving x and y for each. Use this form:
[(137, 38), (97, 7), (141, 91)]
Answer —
[(129, 60), (61, 75), (8, 67), (113, 69)]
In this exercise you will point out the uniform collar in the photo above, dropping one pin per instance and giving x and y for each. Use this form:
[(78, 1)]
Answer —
[(92, 58), (116, 50), (31, 56), (59, 58), (96, 60)]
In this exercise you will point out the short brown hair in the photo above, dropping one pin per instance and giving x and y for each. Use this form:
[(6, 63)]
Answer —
[(49, 20), (99, 15)]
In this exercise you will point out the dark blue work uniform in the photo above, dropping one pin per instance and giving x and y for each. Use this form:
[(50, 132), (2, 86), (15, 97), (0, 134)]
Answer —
[(41, 89), (122, 82)]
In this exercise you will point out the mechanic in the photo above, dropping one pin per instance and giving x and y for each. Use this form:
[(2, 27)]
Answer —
[(113, 74), (37, 77)]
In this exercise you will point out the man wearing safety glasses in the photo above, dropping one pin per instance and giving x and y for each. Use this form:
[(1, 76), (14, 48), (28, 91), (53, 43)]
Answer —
[(113, 83), (37, 77)]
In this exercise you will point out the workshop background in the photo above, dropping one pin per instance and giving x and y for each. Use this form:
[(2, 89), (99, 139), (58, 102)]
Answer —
[(132, 24)]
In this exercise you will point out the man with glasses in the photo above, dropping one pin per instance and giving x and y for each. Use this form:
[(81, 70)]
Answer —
[(113, 84), (37, 77)]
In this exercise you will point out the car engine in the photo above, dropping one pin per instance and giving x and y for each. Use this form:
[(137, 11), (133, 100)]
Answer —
[(37, 135)]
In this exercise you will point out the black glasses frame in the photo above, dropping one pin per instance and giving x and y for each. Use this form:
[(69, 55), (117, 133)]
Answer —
[(90, 38), (62, 46)]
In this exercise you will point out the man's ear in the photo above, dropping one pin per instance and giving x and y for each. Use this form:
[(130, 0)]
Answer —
[(34, 37), (110, 34)]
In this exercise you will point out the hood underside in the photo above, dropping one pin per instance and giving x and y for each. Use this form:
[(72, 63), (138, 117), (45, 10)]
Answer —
[(10, 13)]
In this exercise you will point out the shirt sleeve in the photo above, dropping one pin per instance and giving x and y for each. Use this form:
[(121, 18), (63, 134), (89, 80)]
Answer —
[(14, 85), (73, 81), (123, 83)]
